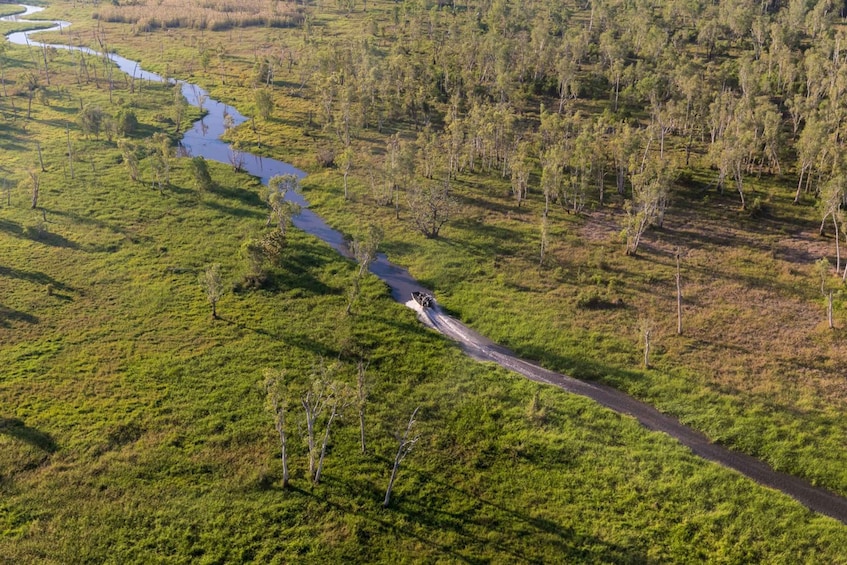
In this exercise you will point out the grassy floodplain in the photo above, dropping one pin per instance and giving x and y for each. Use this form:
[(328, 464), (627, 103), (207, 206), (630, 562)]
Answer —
[(756, 368), (134, 428)]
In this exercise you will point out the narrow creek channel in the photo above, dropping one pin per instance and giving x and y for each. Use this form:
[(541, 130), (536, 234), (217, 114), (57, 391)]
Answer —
[(203, 139)]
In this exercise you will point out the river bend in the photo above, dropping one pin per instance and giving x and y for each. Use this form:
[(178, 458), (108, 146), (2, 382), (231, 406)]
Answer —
[(203, 139)]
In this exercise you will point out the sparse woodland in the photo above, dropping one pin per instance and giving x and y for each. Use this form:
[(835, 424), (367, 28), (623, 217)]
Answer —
[(646, 194)]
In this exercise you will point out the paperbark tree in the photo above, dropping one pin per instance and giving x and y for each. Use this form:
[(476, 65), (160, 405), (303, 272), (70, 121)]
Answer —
[(364, 251), (832, 197), (313, 401), (646, 328), (431, 207), (282, 210), (278, 407), (338, 399), (650, 187), (202, 176), (35, 187), (129, 153), (160, 147), (212, 284), (264, 103), (406, 443)]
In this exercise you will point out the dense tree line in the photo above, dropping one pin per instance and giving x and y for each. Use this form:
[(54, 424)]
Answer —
[(566, 99)]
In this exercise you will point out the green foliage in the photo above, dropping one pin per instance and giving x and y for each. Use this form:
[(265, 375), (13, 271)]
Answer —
[(202, 176), (119, 393), (90, 120), (126, 122), (264, 103)]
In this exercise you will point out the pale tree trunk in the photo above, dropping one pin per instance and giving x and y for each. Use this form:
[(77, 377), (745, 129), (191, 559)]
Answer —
[(312, 405), (647, 349), (678, 298), (829, 309), (406, 444), (332, 416)]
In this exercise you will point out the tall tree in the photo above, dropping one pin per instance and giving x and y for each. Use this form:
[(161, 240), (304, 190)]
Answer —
[(431, 206), (405, 444), (278, 406), (282, 209), (364, 251), (202, 176), (212, 284)]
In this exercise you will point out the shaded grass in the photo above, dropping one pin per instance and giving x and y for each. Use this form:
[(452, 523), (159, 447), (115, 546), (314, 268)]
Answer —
[(124, 395), (754, 341)]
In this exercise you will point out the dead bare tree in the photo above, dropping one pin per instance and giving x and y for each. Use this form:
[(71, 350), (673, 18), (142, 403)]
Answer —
[(339, 398), (406, 443), (278, 407), (35, 184)]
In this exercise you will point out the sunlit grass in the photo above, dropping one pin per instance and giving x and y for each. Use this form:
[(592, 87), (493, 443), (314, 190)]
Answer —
[(133, 429)]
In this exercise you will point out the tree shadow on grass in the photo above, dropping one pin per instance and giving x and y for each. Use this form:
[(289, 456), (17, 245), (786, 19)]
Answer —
[(247, 197), (18, 430), (34, 277), (471, 530), (233, 210), (291, 339), (36, 234), (383, 524), (504, 515), (11, 315)]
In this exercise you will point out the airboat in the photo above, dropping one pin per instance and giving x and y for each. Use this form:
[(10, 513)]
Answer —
[(425, 299)]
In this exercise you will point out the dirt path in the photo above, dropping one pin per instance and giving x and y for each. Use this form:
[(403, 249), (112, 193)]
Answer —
[(483, 349)]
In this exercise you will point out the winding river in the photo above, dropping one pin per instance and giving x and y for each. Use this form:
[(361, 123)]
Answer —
[(203, 139)]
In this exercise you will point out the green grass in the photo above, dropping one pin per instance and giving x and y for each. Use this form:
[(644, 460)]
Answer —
[(133, 428)]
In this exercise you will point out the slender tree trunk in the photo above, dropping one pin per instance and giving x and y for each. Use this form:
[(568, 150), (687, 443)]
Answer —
[(46, 71), (799, 185), (837, 248), (678, 298), (647, 332), (332, 416), (403, 449), (829, 309)]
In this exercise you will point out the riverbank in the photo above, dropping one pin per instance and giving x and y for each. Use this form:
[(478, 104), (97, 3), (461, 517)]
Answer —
[(125, 394)]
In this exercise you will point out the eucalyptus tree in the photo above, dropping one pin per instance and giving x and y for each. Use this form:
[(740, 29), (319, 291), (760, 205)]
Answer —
[(651, 181), (211, 282), (364, 251), (282, 209), (431, 206), (277, 404)]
